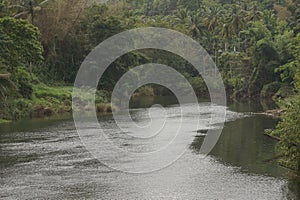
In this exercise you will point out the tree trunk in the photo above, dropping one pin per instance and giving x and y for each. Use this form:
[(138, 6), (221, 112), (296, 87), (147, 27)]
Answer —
[(31, 11)]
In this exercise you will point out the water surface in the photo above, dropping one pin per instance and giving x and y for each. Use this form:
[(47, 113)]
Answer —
[(45, 159)]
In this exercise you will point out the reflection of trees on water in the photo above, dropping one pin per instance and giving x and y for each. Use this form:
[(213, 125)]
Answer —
[(291, 190), (242, 144)]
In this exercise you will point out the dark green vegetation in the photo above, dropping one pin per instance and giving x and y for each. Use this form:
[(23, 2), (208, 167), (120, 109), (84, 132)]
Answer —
[(255, 44), (289, 131)]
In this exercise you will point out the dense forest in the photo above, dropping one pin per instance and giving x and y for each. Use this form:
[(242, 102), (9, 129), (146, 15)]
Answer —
[(255, 44)]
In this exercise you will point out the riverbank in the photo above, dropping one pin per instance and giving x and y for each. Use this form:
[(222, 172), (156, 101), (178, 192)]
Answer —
[(48, 101)]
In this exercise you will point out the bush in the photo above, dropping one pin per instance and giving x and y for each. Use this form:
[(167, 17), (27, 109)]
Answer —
[(199, 86), (19, 108), (19, 43), (284, 92), (288, 130), (269, 90), (22, 80), (146, 91)]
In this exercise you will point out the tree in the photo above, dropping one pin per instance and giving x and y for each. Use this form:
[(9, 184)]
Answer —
[(190, 4), (294, 19), (254, 14), (289, 130), (226, 35), (23, 9), (236, 23), (5, 85), (212, 20), (19, 43), (270, 19)]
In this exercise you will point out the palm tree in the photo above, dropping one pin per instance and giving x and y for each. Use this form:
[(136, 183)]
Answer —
[(28, 9), (269, 19), (237, 22), (192, 21), (213, 16), (190, 4), (195, 25), (226, 34), (254, 14)]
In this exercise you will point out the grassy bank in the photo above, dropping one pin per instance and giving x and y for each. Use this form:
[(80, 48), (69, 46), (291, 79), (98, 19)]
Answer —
[(47, 101), (3, 121)]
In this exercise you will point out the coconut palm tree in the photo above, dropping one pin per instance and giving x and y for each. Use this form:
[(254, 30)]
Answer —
[(192, 21), (29, 8), (213, 17), (269, 19), (226, 35), (237, 22), (254, 14), (237, 19), (190, 4)]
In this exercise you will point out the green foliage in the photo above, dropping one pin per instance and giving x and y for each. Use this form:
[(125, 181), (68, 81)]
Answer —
[(60, 93), (290, 48), (4, 121), (19, 43), (191, 5), (22, 80), (64, 63), (294, 19), (289, 131), (199, 86), (6, 85), (250, 43), (102, 28), (146, 91), (246, 39), (19, 108), (287, 71), (284, 92), (270, 90), (102, 96), (19, 46)]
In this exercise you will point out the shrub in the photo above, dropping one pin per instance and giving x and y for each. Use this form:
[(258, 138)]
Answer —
[(199, 86), (23, 79), (19, 108), (269, 90), (146, 91)]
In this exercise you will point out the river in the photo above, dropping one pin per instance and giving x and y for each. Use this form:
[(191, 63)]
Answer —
[(45, 159)]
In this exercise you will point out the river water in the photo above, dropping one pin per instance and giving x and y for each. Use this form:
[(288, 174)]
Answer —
[(45, 159)]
